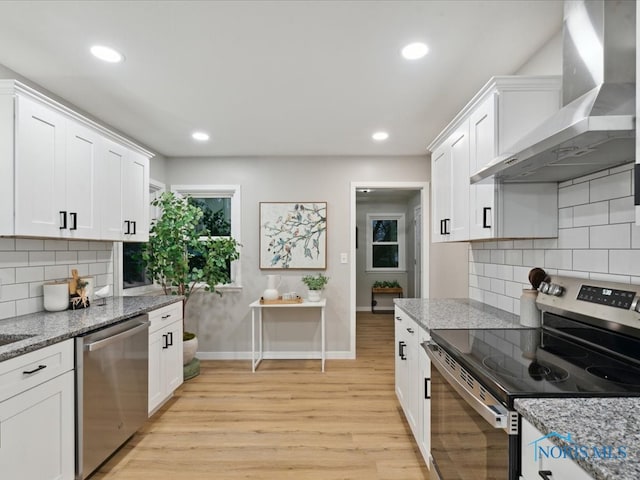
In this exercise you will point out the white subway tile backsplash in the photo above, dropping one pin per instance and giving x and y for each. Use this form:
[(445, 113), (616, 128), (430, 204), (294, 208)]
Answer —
[(610, 236), (565, 218), (14, 291), (29, 244), (56, 245), (491, 298), (612, 186), (491, 270), (14, 259), (591, 214), (25, 264), (29, 274), (591, 176), (78, 245), (505, 303), (505, 244), (56, 272), (622, 168), (29, 305), (497, 256), (622, 210), (606, 277), (482, 256), (7, 310), (66, 257), (497, 286), (566, 183), (476, 268), (624, 262), (545, 243), (484, 283), (7, 244), (591, 260), (513, 289), (558, 259), (474, 294), (533, 258), (573, 195), (635, 236), (42, 258), (473, 280), (573, 238), (513, 257), (527, 243), (572, 273), (521, 274), (490, 245), (505, 272), (7, 275)]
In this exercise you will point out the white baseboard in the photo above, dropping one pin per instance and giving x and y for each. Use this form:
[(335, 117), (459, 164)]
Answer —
[(335, 355)]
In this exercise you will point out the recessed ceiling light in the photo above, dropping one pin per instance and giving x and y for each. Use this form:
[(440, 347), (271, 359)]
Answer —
[(380, 136), (107, 54), (414, 51), (200, 136)]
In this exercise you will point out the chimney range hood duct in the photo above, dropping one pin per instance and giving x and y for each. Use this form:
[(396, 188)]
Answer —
[(595, 129)]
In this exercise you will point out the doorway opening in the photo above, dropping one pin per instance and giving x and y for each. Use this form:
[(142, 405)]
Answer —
[(389, 244)]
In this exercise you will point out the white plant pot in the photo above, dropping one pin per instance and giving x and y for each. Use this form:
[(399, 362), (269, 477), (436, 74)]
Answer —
[(315, 295), (189, 349)]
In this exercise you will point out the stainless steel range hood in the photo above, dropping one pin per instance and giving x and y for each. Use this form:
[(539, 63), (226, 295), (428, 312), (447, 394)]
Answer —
[(596, 127)]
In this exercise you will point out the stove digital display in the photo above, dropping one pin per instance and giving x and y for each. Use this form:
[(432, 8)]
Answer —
[(606, 296)]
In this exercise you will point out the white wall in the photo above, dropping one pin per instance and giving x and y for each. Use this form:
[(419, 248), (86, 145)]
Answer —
[(547, 60), (224, 324), (597, 239)]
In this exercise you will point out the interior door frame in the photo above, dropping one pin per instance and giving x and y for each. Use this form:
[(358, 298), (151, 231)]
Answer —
[(423, 187)]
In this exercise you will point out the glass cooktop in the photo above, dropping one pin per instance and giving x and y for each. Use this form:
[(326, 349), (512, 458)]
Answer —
[(567, 359)]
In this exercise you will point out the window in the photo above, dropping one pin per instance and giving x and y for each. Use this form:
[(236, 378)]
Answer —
[(385, 242), (221, 207)]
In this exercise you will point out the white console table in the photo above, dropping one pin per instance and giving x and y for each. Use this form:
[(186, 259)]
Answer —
[(256, 314)]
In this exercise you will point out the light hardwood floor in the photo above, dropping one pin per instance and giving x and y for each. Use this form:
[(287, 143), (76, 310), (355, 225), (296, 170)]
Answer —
[(286, 421)]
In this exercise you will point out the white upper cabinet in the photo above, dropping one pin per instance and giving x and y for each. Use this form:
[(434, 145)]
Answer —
[(441, 192), (59, 179), (501, 113)]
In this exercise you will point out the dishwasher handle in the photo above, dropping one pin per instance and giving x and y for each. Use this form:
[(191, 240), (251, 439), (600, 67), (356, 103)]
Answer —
[(116, 338)]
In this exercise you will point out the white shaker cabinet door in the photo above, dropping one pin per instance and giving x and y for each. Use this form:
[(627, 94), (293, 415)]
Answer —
[(483, 149), (37, 432), (111, 191), (459, 224), (82, 192), (40, 180), (441, 193), (136, 198)]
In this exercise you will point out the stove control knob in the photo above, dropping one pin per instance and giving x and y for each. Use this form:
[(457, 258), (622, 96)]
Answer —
[(543, 287), (636, 304), (556, 290)]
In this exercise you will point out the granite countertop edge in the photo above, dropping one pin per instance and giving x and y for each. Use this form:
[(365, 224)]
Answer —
[(599, 422), (48, 328)]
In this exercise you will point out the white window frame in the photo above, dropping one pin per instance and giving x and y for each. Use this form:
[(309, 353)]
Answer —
[(402, 245), (156, 189), (233, 192)]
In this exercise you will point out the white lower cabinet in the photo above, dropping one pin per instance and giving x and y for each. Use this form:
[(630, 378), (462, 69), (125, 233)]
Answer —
[(165, 354), (412, 381), (37, 439), (536, 465)]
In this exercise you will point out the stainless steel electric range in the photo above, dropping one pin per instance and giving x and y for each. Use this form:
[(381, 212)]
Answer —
[(587, 346)]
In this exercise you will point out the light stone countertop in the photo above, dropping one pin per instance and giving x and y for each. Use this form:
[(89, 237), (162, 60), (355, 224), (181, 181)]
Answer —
[(432, 314), (592, 422), (48, 328)]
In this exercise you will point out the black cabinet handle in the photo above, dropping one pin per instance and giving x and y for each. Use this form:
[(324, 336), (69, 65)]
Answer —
[(441, 227), (128, 230), (401, 346), (485, 217), (31, 372), (410, 330), (134, 227), (165, 316), (63, 220), (165, 339), (426, 388), (446, 223), (74, 221), (170, 339), (546, 474)]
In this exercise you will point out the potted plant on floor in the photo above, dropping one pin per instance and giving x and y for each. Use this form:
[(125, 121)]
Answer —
[(315, 284), (183, 257)]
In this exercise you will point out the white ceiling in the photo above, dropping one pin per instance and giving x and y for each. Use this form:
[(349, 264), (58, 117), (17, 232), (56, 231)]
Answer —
[(273, 77)]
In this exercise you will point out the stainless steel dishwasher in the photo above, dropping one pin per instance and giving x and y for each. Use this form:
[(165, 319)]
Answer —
[(112, 371)]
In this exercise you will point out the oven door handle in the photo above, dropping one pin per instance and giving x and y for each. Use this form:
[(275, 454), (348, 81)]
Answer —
[(496, 415)]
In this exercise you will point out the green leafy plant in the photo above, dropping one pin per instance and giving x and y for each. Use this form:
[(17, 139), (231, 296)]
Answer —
[(386, 284), (181, 255), (315, 282)]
